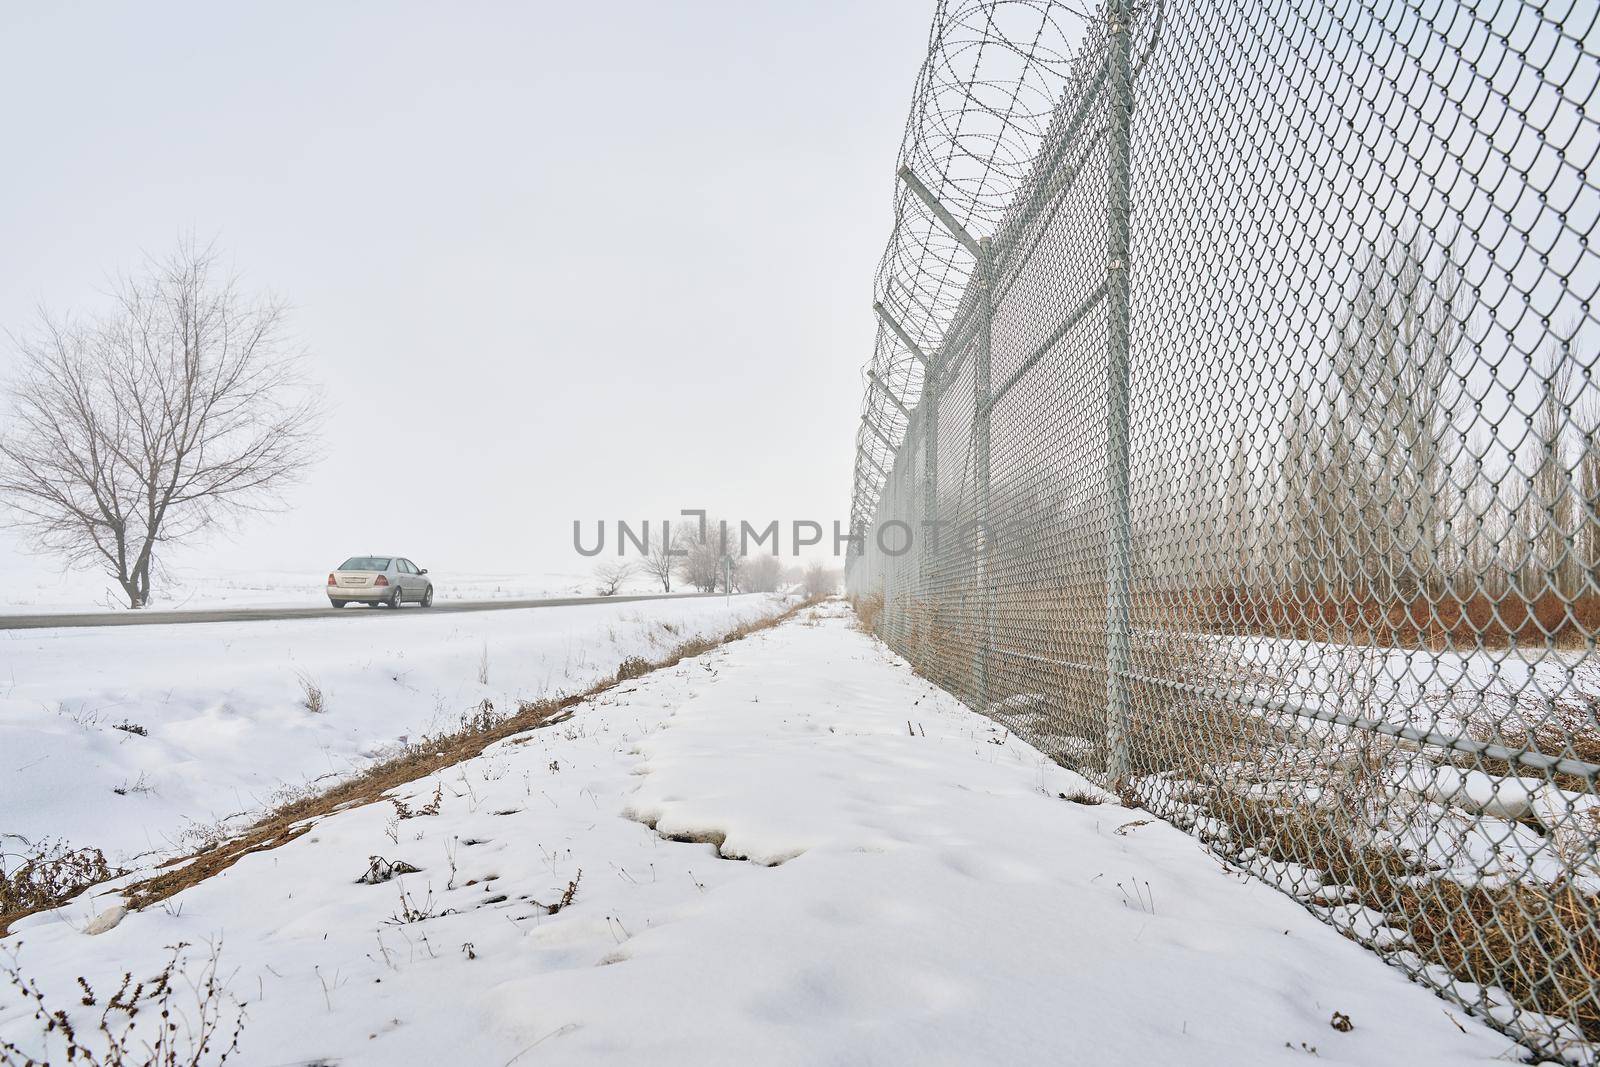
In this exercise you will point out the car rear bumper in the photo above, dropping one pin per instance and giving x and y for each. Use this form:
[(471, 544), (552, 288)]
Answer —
[(361, 592)]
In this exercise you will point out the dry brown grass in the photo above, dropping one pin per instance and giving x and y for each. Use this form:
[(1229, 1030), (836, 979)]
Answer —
[(36, 877), (1439, 621), (1059, 608), (1565, 724), (311, 695), (633, 667), (1539, 942), (942, 645), (869, 610), (419, 760)]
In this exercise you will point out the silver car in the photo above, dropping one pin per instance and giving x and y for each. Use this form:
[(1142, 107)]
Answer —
[(386, 580)]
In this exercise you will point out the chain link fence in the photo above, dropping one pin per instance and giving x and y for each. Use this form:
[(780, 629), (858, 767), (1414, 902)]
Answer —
[(1231, 436)]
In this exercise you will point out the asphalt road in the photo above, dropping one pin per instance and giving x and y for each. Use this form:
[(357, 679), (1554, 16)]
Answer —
[(167, 618)]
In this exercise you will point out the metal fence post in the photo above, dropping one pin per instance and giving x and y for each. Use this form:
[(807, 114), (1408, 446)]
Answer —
[(945, 365), (980, 450), (928, 412), (1119, 547), (930, 476)]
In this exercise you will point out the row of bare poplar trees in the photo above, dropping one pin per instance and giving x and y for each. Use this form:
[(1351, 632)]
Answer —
[(1416, 459)]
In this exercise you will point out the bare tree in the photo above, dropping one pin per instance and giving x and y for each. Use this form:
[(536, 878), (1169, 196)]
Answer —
[(821, 581), (1487, 524), (1547, 517), (705, 546), (1396, 393), (1241, 500), (1588, 479), (661, 558), (1298, 526), (760, 574), (609, 578), (181, 407)]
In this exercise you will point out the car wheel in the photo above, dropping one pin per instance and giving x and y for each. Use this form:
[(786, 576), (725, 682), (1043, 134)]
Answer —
[(394, 598), (337, 603), (427, 597)]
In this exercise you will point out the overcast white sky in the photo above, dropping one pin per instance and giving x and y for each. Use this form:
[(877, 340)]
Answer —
[(550, 260)]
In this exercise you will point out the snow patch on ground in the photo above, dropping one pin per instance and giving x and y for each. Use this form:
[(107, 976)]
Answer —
[(223, 706), (917, 891)]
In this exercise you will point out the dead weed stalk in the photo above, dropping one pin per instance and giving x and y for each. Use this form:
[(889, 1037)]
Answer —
[(177, 1034)]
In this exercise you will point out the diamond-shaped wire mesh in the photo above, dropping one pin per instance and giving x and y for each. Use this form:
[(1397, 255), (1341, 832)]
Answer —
[(1231, 435)]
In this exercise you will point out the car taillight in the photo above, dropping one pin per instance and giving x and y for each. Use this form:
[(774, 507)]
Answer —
[(331, 581), (380, 580)]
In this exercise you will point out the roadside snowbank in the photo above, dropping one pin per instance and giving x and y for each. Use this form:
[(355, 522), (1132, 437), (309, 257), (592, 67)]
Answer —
[(27, 587), (222, 706), (937, 901)]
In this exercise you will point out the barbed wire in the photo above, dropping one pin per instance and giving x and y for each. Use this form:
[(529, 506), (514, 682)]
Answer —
[(984, 101)]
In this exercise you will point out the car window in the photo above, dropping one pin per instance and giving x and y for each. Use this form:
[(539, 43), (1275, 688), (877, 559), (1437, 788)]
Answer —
[(407, 567), (366, 563)]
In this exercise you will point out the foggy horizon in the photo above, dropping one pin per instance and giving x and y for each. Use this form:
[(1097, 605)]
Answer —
[(609, 265)]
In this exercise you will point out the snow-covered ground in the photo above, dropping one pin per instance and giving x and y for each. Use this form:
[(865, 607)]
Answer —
[(788, 850), (29, 587), (222, 706), (1478, 825)]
